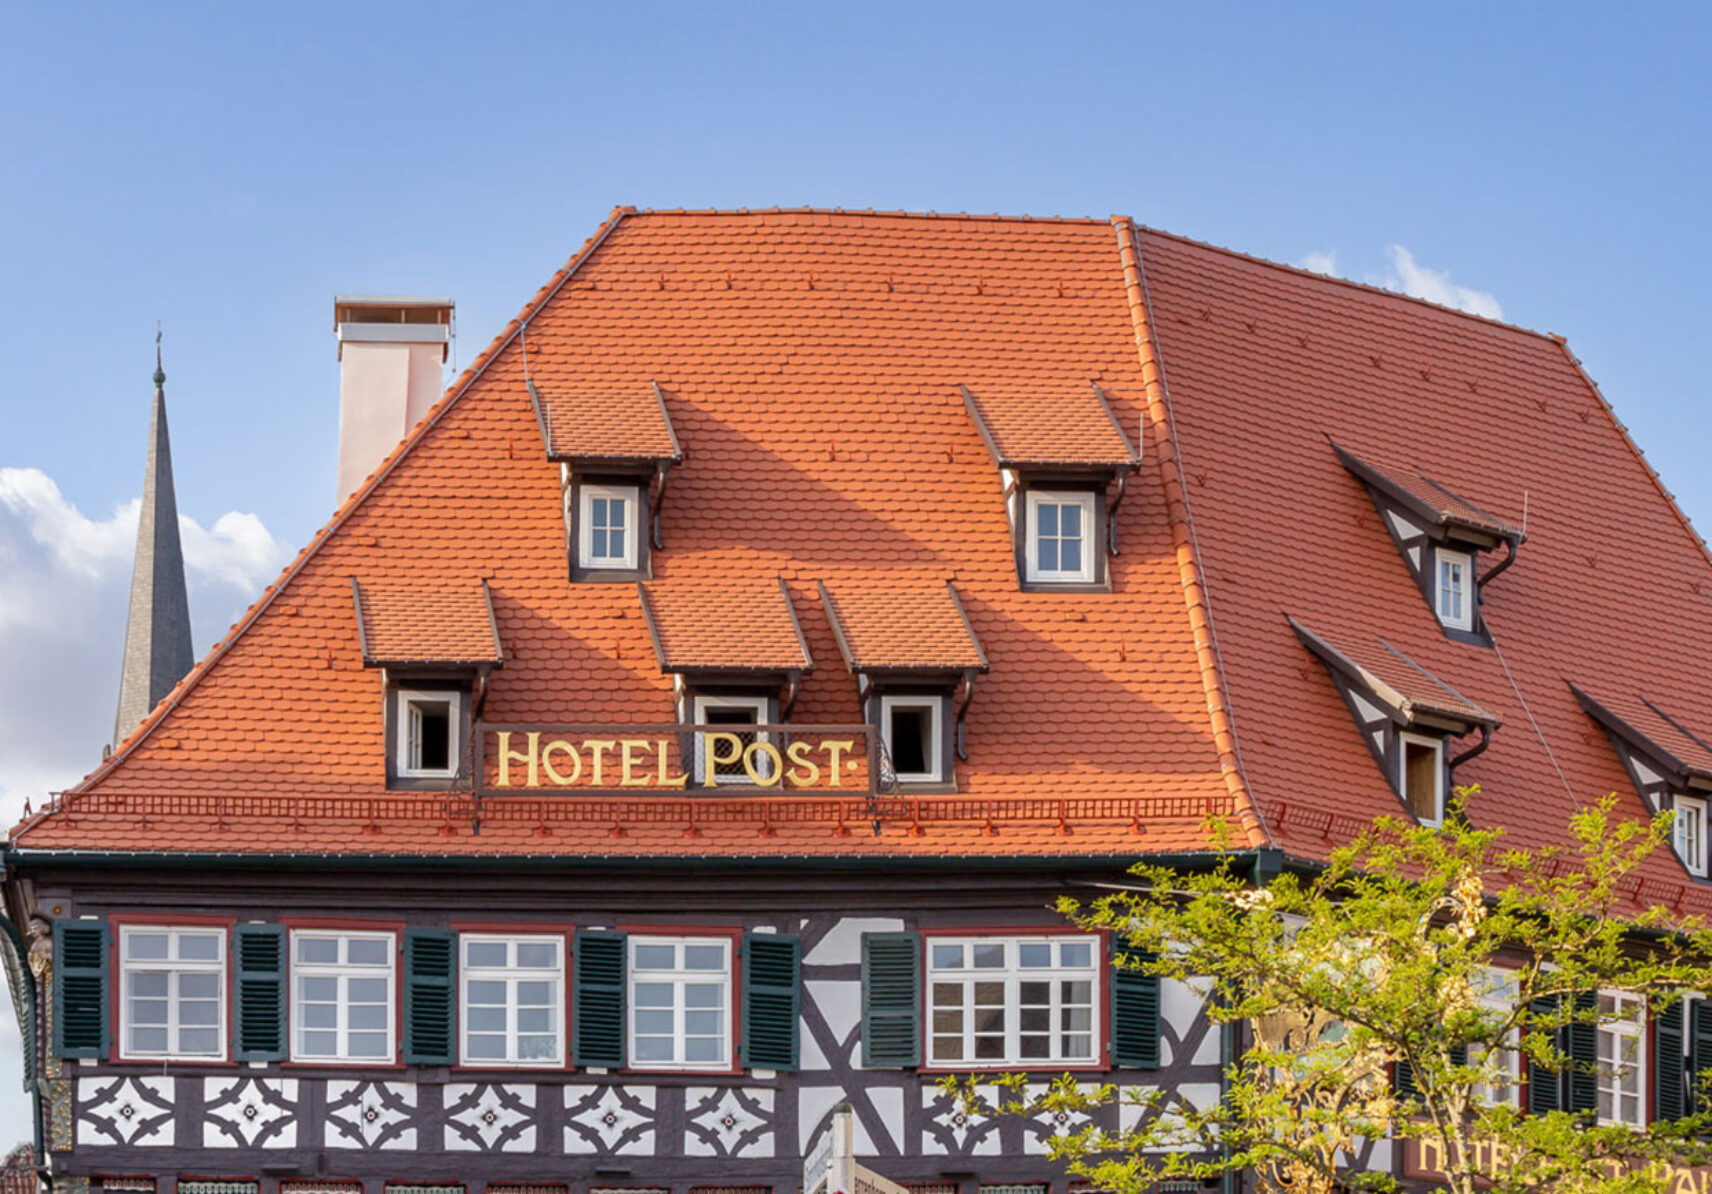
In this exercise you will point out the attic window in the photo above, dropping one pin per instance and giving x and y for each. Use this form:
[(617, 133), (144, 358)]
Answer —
[(608, 523), (1060, 536), (719, 759), (1452, 595), (1421, 775), (428, 734), (911, 728), (1688, 833)]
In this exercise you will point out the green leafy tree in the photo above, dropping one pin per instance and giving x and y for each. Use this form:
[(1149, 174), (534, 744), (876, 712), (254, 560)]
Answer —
[(1441, 955)]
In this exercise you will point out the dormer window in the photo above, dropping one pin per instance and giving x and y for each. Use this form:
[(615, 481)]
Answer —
[(1688, 833), (1453, 597), (609, 527), (912, 729), (1421, 776), (719, 760), (1060, 537), (428, 735)]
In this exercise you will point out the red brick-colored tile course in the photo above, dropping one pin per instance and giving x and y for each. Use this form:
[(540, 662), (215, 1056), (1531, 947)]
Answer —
[(811, 365), (1070, 425), (435, 621), (903, 625)]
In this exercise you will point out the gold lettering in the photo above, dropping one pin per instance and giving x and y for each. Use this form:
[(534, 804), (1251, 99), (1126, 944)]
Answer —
[(627, 758), (507, 756), (553, 773), (667, 781), (710, 756), (804, 773), (835, 749), (770, 775), (597, 748)]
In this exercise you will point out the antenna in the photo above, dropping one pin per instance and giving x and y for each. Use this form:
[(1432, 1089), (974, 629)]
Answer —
[(1524, 514)]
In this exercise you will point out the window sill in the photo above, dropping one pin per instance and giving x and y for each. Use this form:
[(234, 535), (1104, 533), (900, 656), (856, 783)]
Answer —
[(1065, 586)]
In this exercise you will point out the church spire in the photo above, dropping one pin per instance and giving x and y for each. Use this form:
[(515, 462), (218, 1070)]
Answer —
[(158, 649)]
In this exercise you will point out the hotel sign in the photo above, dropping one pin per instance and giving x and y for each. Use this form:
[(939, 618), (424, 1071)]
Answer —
[(1424, 1159)]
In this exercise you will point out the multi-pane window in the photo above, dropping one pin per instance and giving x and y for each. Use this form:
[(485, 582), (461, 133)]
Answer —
[(174, 997), (513, 1000), (428, 734), (1007, 1001), (608, 538), (1622, 1059), (1453, 596), (909, 726), (341, 987), (1688, 831), (680, 1003), (1421, 781), (1060, 536), (1497, 994)]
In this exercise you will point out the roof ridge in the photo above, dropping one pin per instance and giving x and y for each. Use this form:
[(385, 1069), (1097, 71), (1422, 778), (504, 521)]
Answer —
[(1340, 280), (1198, 606), (894, 213), (269, 595)]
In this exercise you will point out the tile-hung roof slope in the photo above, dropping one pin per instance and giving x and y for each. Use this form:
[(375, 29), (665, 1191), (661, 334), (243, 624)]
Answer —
[(811, 366), (584, 420), (722, 626), (426, 623), (1072, 427), (1611, 590), (903, 628)]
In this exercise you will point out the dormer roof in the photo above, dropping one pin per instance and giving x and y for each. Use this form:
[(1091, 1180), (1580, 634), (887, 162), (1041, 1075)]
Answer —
[(1677, 754), (1414, 697), (903, 628), (426, 624), (1069, 427), (1442, 512), (592, 422), (734, 626)]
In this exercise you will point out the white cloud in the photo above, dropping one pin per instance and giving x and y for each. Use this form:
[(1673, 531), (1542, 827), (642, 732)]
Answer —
[(1320, 263), (1413, 278)]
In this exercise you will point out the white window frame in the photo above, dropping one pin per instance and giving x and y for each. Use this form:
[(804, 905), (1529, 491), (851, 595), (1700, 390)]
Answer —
[(511, 974), (703, 701), (1612, 1033), (678, 979), (1498, 995), (343, 971), (403, 700), (935, 772), (173, 968), (1013, 974), (1031, 562), (631, 496), (1462, 619), (1404, 740), (1690, 843)]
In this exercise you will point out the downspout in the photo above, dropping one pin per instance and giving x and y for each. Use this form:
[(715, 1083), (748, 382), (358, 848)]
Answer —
[(657, 501), (1512, 542), (1112, 513), (1485, 741), (968, 689)]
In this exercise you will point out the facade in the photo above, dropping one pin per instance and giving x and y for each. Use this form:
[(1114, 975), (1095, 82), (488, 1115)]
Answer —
[(688, 727)]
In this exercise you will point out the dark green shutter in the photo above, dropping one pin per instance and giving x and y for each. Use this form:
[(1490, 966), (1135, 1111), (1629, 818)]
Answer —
[(772, 1001), (1545, 1085), (1135, 1012), (1699, 1054), (1403, 1081), (258, 964), (1668, 1101), (597, 1004), (891, 1000), (430, 997), (80, 988), (1583, 1049)]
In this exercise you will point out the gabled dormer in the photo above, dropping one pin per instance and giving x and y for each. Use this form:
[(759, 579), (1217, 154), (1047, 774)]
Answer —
[(614, 450), (1063, 463), (1406, 715), (434, 646), (1669, 764), (1440, 536)]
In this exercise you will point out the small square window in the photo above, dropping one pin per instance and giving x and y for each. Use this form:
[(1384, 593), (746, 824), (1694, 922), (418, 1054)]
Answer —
[(1453, 589), (910, 728), (1421, 783), (716, 761), (1688, 833), (608, 522), (1060, 541), (428, 734)]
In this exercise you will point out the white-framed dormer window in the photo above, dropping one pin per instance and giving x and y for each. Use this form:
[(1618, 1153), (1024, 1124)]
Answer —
[(608, 526), (680, 1003), (512, 999), (1688, 833), (341, 996), (735, 712), (428, 733), (173, 1004), (1060, 542), (1421, 776), (1453, 589), (996, 1001), (1622, 1059), (910, 728)]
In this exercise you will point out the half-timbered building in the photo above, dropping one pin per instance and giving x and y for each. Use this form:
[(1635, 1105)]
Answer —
[(687, 720)]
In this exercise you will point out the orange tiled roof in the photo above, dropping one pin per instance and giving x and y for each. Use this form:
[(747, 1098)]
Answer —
[(1403, 685), (444, 622), (1646, 725), (1426, 496), (723, 626), (1067, 426), (584, 421), (903, 628)]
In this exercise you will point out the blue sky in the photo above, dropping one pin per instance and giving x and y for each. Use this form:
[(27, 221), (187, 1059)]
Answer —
[(227, 169)]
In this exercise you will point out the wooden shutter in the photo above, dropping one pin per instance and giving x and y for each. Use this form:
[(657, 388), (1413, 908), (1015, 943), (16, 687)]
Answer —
[(1545, 1085), (258, 966), (1403, 1081), (80, 988), (597, 1004), (1135, 1012), (891, 1000), (430, 997), (772, 1001), (1699, 1054), (1668, 1094), (1583, 1036)]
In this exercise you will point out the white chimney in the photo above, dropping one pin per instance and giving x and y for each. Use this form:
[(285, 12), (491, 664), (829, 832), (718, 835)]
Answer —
[(390, 354)]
